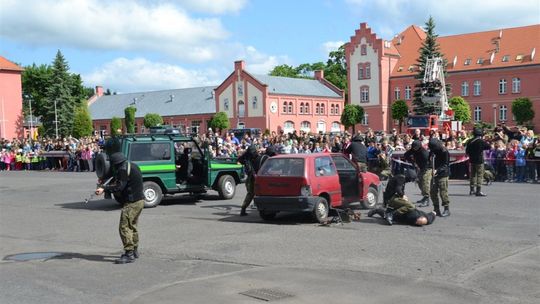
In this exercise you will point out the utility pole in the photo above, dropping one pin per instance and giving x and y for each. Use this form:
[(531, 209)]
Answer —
[(31, 119), (55, 119)]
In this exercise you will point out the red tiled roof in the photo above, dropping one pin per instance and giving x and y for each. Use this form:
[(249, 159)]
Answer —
[(8, 65), (509, 42)]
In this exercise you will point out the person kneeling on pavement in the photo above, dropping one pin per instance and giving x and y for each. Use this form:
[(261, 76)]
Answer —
[(398, 205)]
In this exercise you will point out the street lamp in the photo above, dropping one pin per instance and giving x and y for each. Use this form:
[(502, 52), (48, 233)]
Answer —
[(29, 97), (56, 119), (494, 114)]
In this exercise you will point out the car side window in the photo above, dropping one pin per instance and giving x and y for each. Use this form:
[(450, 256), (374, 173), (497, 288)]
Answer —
[(343, 164), (324, 166), (150, 151)]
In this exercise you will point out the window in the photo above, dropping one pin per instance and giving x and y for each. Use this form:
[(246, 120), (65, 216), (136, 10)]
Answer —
[(365, 120), (519, 57), (323, 110), (282, 167), (502, 86), (321, 126), (411, 68), (368, 70), (324, 166), (288, 126), (241, 109), (400, 68), (305, 126), (301, 108), (477, 88), (464, 88), (364, 70), (332, 109), (306, 109), (343, 164), (285, 107), (503, 113), (337, 110), (226, 104), (290, 107), (336, 127), (477, 114), (364, 94), (363, 50), (255, 102), (397, 93), (516, 85), (240, 90), (360, 71), (408, 92), (505, 58), (467, 61), (150, 151), (195, 125), (480, 61), (317, 108)]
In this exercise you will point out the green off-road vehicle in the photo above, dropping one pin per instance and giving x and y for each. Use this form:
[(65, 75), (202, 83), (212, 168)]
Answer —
[(171, 164)]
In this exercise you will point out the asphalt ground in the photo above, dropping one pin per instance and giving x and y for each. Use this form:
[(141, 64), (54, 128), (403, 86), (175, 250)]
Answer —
[(201, 251)]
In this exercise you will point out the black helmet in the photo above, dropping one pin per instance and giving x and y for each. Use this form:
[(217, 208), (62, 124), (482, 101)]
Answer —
[(410, 175), (435, 145), (270, 151), (478, 132), (117, 158), (252, 150), (416, 145)]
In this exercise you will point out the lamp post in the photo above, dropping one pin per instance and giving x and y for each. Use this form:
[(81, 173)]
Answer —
[(494, 115), (55, 119), (31, 118)]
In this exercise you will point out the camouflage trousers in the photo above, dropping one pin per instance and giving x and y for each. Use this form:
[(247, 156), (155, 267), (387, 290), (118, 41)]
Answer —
[(250, 187), (477, 175), (439, 188), (400, 205), (362, 166), (128, 224), (424, 181)]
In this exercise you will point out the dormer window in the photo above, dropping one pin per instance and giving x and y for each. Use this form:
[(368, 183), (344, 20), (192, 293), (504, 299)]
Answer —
[(519, 57), (411, 68), (400, 68), (468, 61), (480, 61), (505, 58)]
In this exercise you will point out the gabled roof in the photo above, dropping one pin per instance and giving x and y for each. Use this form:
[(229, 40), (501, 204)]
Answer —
[(8, 65), (296, 86), (515, 43), (184, 102)]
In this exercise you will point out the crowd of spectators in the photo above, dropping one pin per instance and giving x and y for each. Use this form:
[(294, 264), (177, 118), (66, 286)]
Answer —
[(514, 156)]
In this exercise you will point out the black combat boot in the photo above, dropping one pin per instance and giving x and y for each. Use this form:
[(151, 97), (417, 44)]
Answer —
[(446, 212), (437, 210), (471, 192), (243, 212), (389, 216), (372, 212), (479, 192), (136, 252), (424, 202), (127, 257)]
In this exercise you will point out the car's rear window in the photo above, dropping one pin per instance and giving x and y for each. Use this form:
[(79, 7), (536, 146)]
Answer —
[(283, 167), (150, 151)]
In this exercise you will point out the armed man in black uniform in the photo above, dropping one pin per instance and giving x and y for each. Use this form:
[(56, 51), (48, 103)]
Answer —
[(358, 151), (127, 186), (253, 161), (440, 160), (475, 150), (420, 156)]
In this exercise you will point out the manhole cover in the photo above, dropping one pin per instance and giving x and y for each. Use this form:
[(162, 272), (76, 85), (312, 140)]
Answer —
[(266, 294), (23, 257)]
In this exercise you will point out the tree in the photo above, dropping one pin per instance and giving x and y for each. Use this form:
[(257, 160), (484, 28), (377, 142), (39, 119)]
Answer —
[(116, 126), (82, 122), (461, 108), (351, 115), (220, 121), (336, 69), (429, 48), (35, 83), (152, 120), (284, 71), (400, 111), (130, 118), (522, 110)]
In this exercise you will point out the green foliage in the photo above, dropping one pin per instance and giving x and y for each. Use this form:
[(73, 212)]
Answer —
[(483, 125), (82, 122), (130, 119), (116, 124), (35, 82), (284, 70), (152, 120), (522, 110), (462, 109), (220, 121), (400, 111), (351, 115), (429, 48)]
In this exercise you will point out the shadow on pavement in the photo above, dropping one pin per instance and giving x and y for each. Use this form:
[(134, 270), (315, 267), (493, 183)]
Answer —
[(94, 205), (88, 257)]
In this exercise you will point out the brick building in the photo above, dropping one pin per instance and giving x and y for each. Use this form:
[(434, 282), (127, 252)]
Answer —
[(11, 120), (488, 69)]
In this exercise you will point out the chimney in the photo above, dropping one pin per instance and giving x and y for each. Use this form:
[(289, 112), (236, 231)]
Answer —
[(99, 91), (239, 65), (319, 74)]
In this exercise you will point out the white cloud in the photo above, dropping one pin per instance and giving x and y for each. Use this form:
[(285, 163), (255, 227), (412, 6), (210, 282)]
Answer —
[(137, 75), (261, 63), (111, 25), (331, 46), (389, 17), (214, 6)]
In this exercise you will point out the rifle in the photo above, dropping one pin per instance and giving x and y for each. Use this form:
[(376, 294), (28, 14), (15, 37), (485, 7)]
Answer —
[(86, 200)]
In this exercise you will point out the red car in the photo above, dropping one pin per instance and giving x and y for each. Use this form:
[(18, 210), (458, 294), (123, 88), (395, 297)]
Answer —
[(313, 183)]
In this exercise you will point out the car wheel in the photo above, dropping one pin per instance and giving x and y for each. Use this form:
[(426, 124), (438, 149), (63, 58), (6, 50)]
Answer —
[(320, 210), (103, 166), (372, 198), (267, 215), (152, 194), (226, 187)]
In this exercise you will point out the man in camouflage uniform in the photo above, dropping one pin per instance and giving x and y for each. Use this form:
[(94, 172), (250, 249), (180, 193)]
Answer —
[(420, 156), (475, 150), (440, 160)]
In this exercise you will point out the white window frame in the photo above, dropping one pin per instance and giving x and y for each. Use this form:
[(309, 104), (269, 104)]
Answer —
[(516, 85), (365, 119), (477, 88), (503, 113), (465, 88), (397, 93), (502, 86), (408, 92), (477, 113), (364, 94), (241, 109), (305, 126)]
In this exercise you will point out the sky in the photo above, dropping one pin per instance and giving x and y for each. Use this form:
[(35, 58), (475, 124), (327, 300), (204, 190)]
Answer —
[(145, 45)]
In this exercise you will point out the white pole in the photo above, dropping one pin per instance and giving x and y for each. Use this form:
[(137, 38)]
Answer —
[(55, 119), (31, 121)]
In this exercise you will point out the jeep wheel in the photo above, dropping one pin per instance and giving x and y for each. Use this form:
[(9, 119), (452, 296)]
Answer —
[(372, 197), (320, 210), (103, 167), (267, 215), (226, 187), (152, 194)]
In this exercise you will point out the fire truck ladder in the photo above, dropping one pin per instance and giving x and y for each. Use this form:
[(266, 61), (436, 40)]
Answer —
[(434, 90)]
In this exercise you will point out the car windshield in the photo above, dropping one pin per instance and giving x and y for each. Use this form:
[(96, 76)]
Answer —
[(283, 167)]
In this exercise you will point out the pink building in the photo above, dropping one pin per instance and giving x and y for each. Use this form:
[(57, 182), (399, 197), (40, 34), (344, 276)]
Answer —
[(488, 69), (11, 117)]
